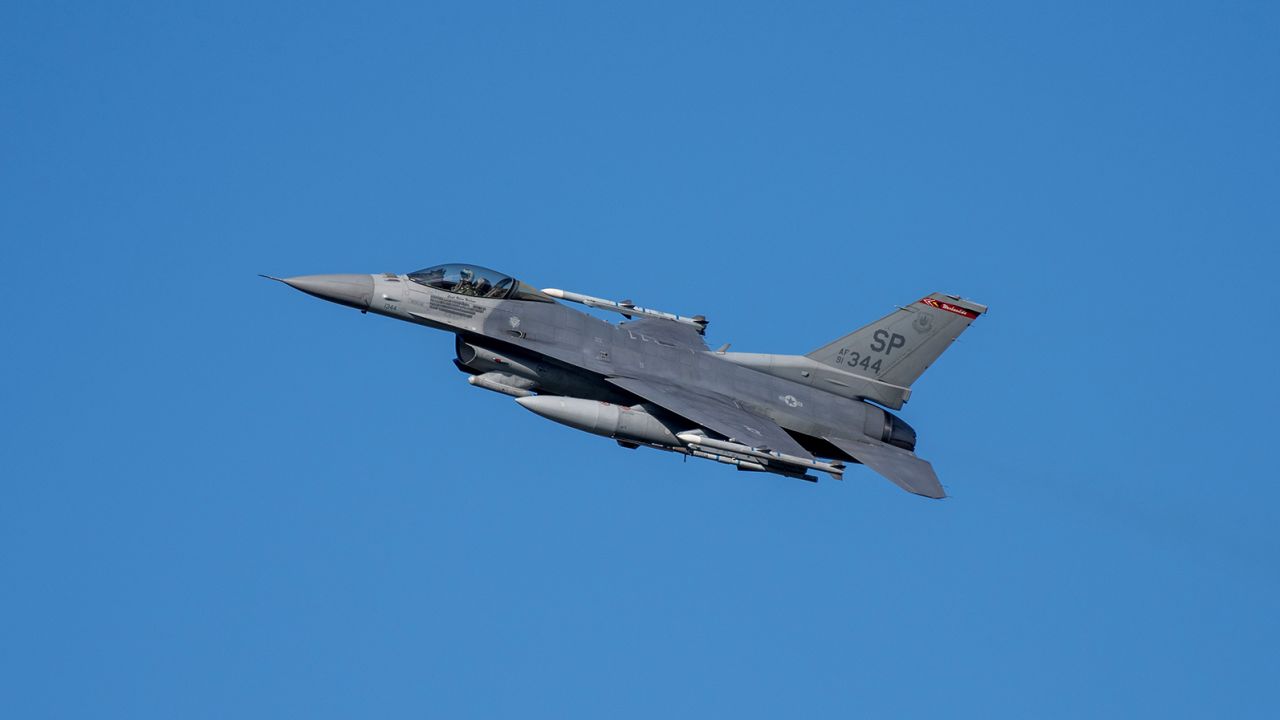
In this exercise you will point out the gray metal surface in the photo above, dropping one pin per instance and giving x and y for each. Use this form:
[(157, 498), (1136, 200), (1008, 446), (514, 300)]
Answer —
[(653, 381), (902, 468), (899, 347)]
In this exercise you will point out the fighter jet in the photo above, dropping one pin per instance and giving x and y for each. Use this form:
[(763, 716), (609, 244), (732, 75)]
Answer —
[(652, 380)]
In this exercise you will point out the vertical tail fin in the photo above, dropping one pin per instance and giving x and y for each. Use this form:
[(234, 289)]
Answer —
[(899, 347)]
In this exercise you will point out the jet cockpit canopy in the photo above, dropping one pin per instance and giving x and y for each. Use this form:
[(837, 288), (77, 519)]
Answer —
[(476, 281)]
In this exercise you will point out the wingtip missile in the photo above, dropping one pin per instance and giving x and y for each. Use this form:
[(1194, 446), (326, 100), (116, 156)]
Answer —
[(626, 308)]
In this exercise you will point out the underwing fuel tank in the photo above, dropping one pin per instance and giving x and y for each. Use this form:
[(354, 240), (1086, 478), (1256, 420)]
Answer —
[(601, 418)]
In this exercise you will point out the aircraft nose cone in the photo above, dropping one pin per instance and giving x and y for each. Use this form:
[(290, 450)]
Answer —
[(352, 290)]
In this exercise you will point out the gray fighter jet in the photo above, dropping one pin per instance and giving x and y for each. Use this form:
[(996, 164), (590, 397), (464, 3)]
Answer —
[(653, 381)]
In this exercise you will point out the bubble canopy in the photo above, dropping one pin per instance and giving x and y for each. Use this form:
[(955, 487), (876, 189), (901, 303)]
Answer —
[(476, 281)]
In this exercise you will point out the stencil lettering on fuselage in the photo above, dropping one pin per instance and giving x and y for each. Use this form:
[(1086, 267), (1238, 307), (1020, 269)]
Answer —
[(454, 306)]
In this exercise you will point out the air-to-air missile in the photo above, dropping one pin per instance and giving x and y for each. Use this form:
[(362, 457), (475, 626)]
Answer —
[(627, 309)]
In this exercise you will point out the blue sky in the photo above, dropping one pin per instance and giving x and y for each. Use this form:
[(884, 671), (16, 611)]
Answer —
[(222, 498)]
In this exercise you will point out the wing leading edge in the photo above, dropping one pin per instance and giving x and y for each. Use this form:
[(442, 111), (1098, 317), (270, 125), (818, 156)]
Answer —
[(717, 413)]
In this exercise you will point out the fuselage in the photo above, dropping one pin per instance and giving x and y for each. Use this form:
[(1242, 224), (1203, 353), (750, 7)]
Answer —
[(585, 350), (652, 381)]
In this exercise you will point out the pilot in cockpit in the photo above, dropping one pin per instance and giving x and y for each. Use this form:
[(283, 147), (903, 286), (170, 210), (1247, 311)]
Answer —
[(467, 284)]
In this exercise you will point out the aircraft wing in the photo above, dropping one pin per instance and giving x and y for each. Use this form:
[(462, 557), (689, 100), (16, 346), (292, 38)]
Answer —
[(716, 412), (902, 468), (673, 333)]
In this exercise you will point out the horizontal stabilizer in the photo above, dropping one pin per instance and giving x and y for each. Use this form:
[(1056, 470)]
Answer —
[(901, 467)]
